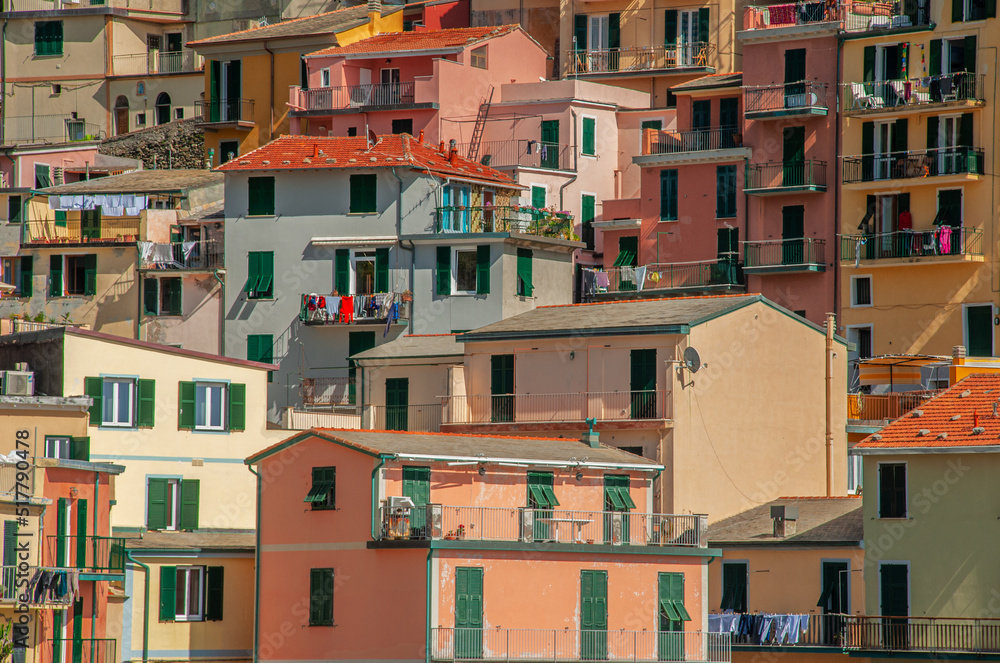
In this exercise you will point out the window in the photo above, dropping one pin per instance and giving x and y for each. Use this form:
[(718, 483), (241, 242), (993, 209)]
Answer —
[(651, 124), (43, 176), (668, 195), (404, 126), (48, 38), (64, 446), (861, 339), (211, 406), (260, 275), (162, 108), (673, 614), (260, 347), (949, 211), (973, 10), (587, 213), (14, 209), (525, 287), (162, 296), (734, 586), (19, 272), (324, 77), (352, 131), (855, 473), (323, 494), (178, 113), (892, 490), (538, 195), (861, 291), (191, 593), (454, 216), (616, 493), (479, 57), (978, 321), (465, 271), (361, 272), (121, 402), (140, 120), (363, 194), (72, 275), (172, 504), (725, 191), (540, 492), (320, 597), (57, 447), (261, 196), (228, 150), (589, 143)]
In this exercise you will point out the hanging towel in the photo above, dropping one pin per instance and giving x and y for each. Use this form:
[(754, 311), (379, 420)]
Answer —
[(640, 277), (332, 306), (188, 249), (603, 281), (347, 309)]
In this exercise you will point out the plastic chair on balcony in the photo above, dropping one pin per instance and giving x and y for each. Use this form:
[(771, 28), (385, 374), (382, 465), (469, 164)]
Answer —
[(861, 99)]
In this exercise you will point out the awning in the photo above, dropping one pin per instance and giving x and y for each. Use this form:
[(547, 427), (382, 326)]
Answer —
[(895, 369)]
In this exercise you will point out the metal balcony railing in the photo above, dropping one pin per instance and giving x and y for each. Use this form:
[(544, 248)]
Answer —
[(675, 276), (504, 218), (923, 634), (30, 129), (866, 16), (540, 408), (786, 15), (413, 418), (221, 111), (777, 175), (673, 142), (818, 631), (207, 254), (558, 645), (160, 6), (324, 392), (73, 231), (524, 154), (353, 96), (896, 95), (785, 98), (13, 592), (352, 309), (886, 407), (91, 553), (156, 62), (529, 525), (639, 58), (940, 241), (783, 253), (914, 164), (84, 650)]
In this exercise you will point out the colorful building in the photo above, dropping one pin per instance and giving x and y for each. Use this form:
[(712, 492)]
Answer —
[(452, 523)]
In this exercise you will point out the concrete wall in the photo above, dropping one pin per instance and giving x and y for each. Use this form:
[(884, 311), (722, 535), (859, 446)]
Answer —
[(200, 325)]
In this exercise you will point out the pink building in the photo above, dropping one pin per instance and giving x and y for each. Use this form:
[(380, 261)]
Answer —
[(438, 547)]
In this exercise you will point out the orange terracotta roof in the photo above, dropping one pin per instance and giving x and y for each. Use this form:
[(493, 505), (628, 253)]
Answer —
[(965, 415), (423, 40), (323, 153)]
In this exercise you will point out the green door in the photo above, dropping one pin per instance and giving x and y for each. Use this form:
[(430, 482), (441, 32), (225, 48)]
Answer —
[(90, 224), (673, 614), (793, 156), (502, 388), (792, 232), (617, 506), (895, 603), (834, 601), (550, 144), (417, 486), (729, 121), (593, 615), (795, 76), (468, 613), (727, 271), (356, 342), (78, 631), (540, 487), (979, 324), (643, 384), (234, 90), (397, 400)]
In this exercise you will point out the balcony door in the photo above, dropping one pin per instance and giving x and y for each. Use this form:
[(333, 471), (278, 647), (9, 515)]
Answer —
[(153, 53), (894, 594), (468, 613), (397, 401), (643, 384), (792, 233), (417, 486), (949, 140), (673, 614), (691, 24), (502, 388), (171, 61), (550, 144), (793, 153), (979, 330), (593, 615), (795, 76), (834, 600), (389, 90)]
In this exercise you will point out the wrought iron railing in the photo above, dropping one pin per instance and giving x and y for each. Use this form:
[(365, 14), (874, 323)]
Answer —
[(523, 154), (785, 97), (940, 241), (353, 96), (866, 16), (352, 309), (181, 255), (914, 164), (156, 62), (923, 634), (784, 630), (540, 408), (675, 276), (91, 553), (762, 17), (413, 418), (810, 173), (639, 58), (27, 129), (928, 90), (672, 142), (73, 231), (19, 585), (83, 650), (224, 110), (783, 252), (886, 407), (504, 218)]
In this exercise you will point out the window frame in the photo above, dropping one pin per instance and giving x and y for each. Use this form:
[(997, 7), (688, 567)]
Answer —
[(729, 196), (189, 571), (965, 323), (173, 523), (55, 51), (261, 181), (855, 473), (455, 251), (361, 207), (906, 491), (871, 338), (583, 136), (672, 198), (321, 476), (132, 391), (160, 290), (200, 385), (252, 292), (313, 596), (360, 256), (59, 439), (745, 563), (854, 299), (324, 77), (479, 57)]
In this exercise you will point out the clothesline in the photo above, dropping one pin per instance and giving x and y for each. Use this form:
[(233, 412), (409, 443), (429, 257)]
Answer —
[(761, 628), (110, 204)]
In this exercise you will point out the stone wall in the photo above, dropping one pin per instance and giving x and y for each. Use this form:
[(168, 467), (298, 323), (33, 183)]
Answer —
[(177, 144)]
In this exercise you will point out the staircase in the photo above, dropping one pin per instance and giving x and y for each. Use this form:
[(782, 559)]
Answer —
[(477, 130)]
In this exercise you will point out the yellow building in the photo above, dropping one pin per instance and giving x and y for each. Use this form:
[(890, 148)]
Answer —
[(248, 73), (918, 213)]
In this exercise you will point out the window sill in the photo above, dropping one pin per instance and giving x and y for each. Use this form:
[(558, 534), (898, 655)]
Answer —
[(373, 212), (36, 56), (893, 518), (592, 156), (669, 220), (725, 218), (261, 299), (320, 625), (862, 306), (261, 216)]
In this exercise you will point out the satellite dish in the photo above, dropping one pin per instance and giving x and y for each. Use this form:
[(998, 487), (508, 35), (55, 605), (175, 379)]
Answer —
[(692, 360)]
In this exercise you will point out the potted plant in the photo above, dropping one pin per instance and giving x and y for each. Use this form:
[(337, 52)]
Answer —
[(450, 535), (460, 532)]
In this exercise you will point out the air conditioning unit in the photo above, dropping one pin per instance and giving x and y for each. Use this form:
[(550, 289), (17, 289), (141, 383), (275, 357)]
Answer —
[(18, 383), (400, 502)]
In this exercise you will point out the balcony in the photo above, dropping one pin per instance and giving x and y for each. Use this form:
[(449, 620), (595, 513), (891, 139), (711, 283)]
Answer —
[(160, 6), (673, 142), (861, 16), (192, 256), (958, 244), (524, 154), (917, 94), (527, 525), (10, 592), (522, 219), (156, 62), (101, 554), (963, 162), (639, 59), (342, 97), (785, 100), (784, 255), (557, 645), (219, 113), (779, 177), (83, 650), (328, 392), (32, 129), (107, 232), (660, 278), (882, 408), (361, 309), (785, 16), (552, 408), (923, 634), (821, 631)]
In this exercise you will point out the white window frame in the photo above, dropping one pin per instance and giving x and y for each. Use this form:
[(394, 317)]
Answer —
[(173, 504), (603, 25), (189, 572), (965, 324), (324, 77), (946, 49), (356, 257), (130, 387), (878, 490), (745, 563), (871, 291), (454, 269), (62, 443), (837, 560), (485, 57), (206, 386), (856, 471), (909, 584)]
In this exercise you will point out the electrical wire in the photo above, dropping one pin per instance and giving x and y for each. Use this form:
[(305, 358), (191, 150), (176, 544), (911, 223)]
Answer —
[(711, 444)]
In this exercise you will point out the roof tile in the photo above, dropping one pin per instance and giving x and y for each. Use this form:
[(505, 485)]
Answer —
[(325, 23), (424, 40)]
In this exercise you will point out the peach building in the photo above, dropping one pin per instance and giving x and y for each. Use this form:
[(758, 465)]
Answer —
[(485, 547)]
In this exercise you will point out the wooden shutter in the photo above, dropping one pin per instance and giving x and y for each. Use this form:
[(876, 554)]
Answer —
[(932, 132), (965, 130), (151, 296), (614, 31), (94, 387), (589, 135), (934, 58), (957, 11), (168, 593), (468, 598), (991, 9), (867, 150), (214, 585), (594, 600), (190, 493), (538, 197), (185, 405), (899, 135), (79, 448), (795, 65), (62, 530), (147, 403), (580, 31), (265, 289), (342, 271), (156, 503), (175, 285), (670, 27), (483, 269), (321, 597), (253, 273), (260, 193), (81, 534), (55, 276), (444, 270), (382, 269), (363, 194), (417, 484), (704, 15), (27, 276), (237, 407), (668, 194), (970, 52), (524, 275), (587, 213), (90, 274), (10, 543)]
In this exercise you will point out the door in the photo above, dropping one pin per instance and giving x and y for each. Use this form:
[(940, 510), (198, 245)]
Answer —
[(356, 342), (90, 224), (895, 605), (979, 330), (834, 601), (795, 76), (417, 486), (502, 388), (617, 506), (628, 258), (397, 397), (793, 156), (593, 615), (468, 613), (78, 630), (886, 224), (643, 384), (729, 122), (121, 119), (550, 144), (670, 645), (734, 587), (170, 61), (153, 53), (883, 150), (389, 91), (792, 232), (948, 144), (234, 90), (687, 38), (726, 271)]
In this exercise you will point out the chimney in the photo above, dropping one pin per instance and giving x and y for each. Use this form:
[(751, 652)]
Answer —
[(420, 138), (441, 147), (375, 7), (315, 150), (592, 438), (784, 518), (453, 153), (958, 352)]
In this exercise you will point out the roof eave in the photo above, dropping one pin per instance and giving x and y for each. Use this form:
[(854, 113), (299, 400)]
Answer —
[(680, 329)]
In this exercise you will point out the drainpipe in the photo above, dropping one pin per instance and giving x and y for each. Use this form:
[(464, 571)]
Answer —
[(270, 96), (836, 192), (570, 181), (256, 584), (93, 595), (399, 242), (381, 461), (145, 607), (3, 80), (222, 314), (427, 638), (831, 322)]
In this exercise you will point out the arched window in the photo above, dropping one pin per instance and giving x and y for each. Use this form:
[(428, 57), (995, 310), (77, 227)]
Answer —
[(121, 115), (162, 108)]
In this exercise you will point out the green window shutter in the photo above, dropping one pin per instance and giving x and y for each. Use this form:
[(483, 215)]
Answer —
[(94, 387), (79, 448), (55, 276), (382, 269), (364, 190), (417, 484), (156, 503), (265, 289), (356, 194), (321, 597), (704, 16), (168, 593), (62, 530), (190, 491), (175, 296), (970, 52), (957, 13), (525, 287), (90, 274), (670, 27), (869, 64), (589, 136), (588, 212), (580, 31), (214, 584), (151, 296), (324, 483), (342, 271), (14, 209), (260, 194), (934, 58), (483, 269), (444, 270), (185, 405), (538, 196), (614, 30), (668, 195), (260, 347), (991, 8), (965, 130), (147, 403), (253, 273), (10, 543), (723, 195), (81, 534), (27, 276), (237, 406), (899, 135), (932, 132)]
